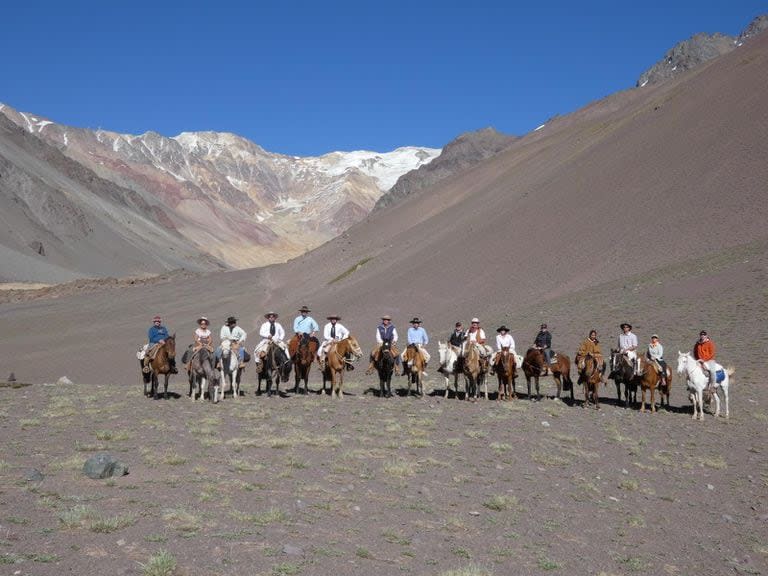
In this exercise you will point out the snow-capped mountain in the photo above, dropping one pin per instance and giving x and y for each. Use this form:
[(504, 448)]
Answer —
[(227, 196)]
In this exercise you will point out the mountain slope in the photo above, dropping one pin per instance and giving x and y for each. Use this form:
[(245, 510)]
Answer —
[(226, 197)]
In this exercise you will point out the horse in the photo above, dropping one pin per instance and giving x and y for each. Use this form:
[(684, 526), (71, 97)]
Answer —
[(506, 372), (203, 375), (622, 372), (450, 365), (274, 366), (385, 365), (591, 376), (535, 363), (231, 368), (650, 380), (163, 363), (338, 360), (303, 354), (697, 382), (475, 369), (413, 367)]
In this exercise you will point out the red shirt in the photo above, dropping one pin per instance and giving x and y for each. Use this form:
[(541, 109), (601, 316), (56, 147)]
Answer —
[(704, 351)]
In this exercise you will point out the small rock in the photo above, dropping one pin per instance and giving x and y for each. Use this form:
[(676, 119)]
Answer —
[(624, 471), (545, 424), (728, 518), (710, 487), (291, 550), (356, 508), (12, 377), (613, 498), (63, 381), (103, 465), (34, 475), (474, 513)]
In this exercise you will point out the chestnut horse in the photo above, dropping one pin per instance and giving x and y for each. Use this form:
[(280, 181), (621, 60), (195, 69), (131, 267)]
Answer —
[(534, 364), (506, 372), (338, 360), (163, 363), (475, 370), (303, 349), (650, 380), (591, 371), (413, 367)]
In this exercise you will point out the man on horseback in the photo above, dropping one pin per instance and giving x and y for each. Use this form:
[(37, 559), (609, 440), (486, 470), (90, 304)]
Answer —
[(332, 332), (232, 332), (418, 337), (704, 352), (385, 331), (156, 335), (628, 345), (589, 347), (543, 342), (270, 331), (458, 336), (476, 337), (655, 354), (503, 340)]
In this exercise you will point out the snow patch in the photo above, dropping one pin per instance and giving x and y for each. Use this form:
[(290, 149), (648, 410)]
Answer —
[(644, 83), (539, 127)]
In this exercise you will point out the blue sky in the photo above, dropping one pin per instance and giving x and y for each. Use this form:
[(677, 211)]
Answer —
[(307, 78)]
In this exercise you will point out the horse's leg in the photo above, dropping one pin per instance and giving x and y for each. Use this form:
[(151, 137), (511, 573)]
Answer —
[(725, 398), (528, 381), (538, 391), (165, 387), (716, 396), (155, 384), (642, 403)]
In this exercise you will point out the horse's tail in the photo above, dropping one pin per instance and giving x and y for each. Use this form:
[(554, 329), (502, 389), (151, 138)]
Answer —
[(730, 371)]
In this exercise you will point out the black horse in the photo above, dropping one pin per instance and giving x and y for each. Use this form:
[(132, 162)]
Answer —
[(275, 366), (385, 365), (622, 372)]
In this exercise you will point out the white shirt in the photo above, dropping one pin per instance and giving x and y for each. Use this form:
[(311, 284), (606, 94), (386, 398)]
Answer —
[(341, 332), (627, 341), (279, 332), (235, 333), (505, 341), (472, 336)]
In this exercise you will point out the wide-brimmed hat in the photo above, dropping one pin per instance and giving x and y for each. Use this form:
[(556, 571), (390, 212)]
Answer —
[(333, 317), (416, 320), (386, 317), (654, 336), (458, 324), (203, 319), (268, 314), (703, 333), (157, 319), (625, 324), (502, 328), (231, 320), (475, 320), (304, 309)]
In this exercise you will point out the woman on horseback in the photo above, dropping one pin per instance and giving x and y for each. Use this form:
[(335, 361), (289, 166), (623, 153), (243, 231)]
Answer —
[(503, 340), (655, 353)]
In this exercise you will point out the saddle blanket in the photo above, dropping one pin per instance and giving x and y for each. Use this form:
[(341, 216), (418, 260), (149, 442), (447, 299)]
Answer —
[(719, 375)]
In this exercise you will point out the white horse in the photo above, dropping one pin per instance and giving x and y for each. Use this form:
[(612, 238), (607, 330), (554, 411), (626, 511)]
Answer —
[(230, 369), (448, 358), (698, 381)]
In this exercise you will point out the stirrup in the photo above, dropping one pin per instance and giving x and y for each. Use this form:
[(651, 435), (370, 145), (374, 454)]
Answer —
[(146, 369)]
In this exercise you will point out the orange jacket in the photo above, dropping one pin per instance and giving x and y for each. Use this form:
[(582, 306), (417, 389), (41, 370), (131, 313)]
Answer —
[(704, 351)]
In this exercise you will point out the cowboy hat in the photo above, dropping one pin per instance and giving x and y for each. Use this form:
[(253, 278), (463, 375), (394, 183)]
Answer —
[(202, 319), (475, 320), (268, 314), (416, 320), (156, 318), (333, 317), (703, 333), (304, 309), (654, 336), (386, 317), (231, 320), (625, 324), (502, 328)]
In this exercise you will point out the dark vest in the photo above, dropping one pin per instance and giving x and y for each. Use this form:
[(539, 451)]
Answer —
[(386, 332)]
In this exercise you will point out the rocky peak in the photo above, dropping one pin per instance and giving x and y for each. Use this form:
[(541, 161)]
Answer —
[(757, 25)]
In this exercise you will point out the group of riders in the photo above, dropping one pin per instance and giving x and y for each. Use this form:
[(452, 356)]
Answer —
[(305, 328)]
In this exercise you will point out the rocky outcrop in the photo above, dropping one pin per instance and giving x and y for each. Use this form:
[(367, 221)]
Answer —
[(458, 155), (696, 50)]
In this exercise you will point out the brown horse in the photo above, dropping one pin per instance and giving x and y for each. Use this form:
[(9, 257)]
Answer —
[(534, 365), (303, 349), (413, 367), (591, 370), (475, 370), (505, 369), (650, 380), (163, 363), (338, 359)]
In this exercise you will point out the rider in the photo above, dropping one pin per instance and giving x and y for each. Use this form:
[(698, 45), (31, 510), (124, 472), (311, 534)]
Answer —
[(591, 345), (232, 332), (655, 353), (543, 342), (628, 344), (458, 336), (304, 324), (419, 338), (503, 340), (156, 335), (476, 335), (385, 331), (332, 332), (202, 339), (704, 352), (270, 331)]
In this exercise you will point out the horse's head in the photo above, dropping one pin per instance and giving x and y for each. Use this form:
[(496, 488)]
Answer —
[(226, 347), (170, 345), (442, 352), (386, 346), (682, 362), (354, 346)]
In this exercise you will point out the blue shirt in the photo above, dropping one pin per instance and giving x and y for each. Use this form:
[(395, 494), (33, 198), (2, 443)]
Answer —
[(417, 336), (157, 333), (305, 325)]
